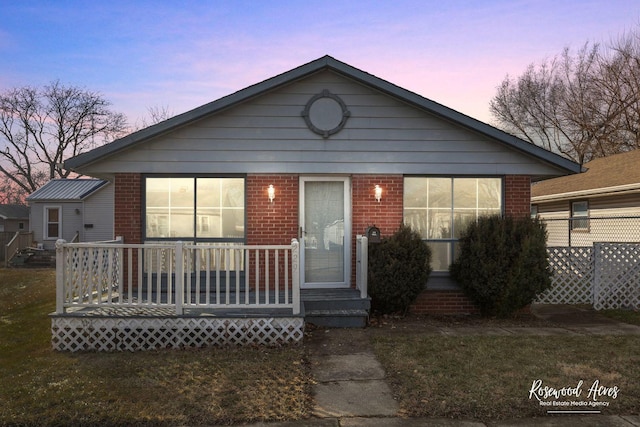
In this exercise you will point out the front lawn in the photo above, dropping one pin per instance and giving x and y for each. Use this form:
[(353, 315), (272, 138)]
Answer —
[(490, 377), (206, 386), (626, 316)]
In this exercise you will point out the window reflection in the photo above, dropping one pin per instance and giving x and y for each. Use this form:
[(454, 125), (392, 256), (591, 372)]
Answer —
[(441, 208), (189, 208)]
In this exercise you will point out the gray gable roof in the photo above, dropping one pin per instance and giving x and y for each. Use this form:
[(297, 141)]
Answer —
[(14, 212), (66, 190), (321, 64)]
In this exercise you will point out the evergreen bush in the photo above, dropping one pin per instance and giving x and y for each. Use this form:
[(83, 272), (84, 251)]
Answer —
[(502, 263), (399, 267)]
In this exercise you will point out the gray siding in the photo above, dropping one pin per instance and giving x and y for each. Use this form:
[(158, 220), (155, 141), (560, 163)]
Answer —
[(98, 211), (13, 225), (268, 135), (71, 221)]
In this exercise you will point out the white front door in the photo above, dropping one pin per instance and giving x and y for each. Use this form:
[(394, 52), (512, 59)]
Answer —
[(325, 212)]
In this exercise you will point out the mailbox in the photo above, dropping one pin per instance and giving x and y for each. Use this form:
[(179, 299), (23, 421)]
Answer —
[(373, 234)]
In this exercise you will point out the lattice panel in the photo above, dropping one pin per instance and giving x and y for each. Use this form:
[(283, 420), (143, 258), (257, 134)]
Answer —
[(83, 333), (617, 276), (572, 280), (90, 272)]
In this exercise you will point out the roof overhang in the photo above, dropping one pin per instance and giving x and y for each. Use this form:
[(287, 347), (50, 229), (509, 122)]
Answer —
[(590, 193)]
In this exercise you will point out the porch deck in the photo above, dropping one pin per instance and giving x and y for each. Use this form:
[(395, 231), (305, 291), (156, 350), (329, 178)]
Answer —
[(148, 328), (184, 296)]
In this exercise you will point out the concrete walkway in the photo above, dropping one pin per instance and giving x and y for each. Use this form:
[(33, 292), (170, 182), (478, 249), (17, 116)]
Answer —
[(351, 390)]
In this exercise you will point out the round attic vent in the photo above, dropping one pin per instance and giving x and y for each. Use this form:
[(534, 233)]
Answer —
[(325, 114)]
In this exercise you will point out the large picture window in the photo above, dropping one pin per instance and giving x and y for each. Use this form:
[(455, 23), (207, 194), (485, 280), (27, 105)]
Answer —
[(195, 208), (440, 208)]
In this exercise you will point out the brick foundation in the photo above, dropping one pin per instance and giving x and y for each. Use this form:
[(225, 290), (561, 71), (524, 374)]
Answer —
[(443, 303)]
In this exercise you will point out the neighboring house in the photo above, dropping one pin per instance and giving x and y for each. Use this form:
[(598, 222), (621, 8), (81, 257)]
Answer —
[(80, 209), (603, 202), (14, 218), (322, 136)]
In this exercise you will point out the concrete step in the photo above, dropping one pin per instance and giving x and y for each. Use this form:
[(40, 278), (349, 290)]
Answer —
[(338, 304), (337, 318), (336, 308)]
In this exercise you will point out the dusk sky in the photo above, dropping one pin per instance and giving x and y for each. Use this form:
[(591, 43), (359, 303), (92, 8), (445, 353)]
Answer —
[(182, 54)]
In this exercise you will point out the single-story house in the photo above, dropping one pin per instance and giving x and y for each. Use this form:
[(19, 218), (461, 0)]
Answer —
[(78, 210), (322, 136), (603, 202), (14, 218), (311, 157)]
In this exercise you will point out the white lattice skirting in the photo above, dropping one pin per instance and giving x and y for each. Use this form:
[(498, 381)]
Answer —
[(82, 333)]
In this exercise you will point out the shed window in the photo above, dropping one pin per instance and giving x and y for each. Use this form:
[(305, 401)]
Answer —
[(580, 216), (440, 208), (52, 223), (195, 208)]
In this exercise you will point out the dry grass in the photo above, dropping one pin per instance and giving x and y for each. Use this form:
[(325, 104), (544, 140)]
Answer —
[(489, 377), (627, 316), (209, 386)]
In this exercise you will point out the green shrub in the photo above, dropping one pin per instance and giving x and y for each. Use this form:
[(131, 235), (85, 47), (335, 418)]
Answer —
[(398, 270), (502, 263)]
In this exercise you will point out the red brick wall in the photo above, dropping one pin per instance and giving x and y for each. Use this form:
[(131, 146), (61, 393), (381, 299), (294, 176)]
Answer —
[(272, 223), (517, 195), (127, 221), (366, 211), (128, 207), (277, 222)]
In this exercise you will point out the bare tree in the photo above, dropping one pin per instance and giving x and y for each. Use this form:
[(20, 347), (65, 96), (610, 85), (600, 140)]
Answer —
[(10, 192), (583, 105), (156, 115), (41, 127)]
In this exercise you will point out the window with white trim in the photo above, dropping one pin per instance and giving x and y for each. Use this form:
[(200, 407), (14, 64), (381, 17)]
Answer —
[(52, 222), (580, 216), (439, 208)]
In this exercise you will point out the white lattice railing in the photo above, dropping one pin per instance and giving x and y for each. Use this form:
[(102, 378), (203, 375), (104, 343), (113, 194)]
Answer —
[(177, 276)]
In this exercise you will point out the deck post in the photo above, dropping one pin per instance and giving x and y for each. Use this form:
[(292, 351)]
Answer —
[(60, 276), (362, 260), (295, 273), (179, 284)]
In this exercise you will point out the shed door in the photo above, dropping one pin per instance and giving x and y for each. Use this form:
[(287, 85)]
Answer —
[(325, 232)]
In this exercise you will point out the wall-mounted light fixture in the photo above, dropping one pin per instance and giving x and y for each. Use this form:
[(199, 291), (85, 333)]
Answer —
[(271, 191), (378, 193)]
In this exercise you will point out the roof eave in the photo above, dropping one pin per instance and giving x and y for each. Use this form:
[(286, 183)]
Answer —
[(593, 192)]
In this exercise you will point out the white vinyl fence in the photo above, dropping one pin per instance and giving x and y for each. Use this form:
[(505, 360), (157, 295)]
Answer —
[(604, 274)]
